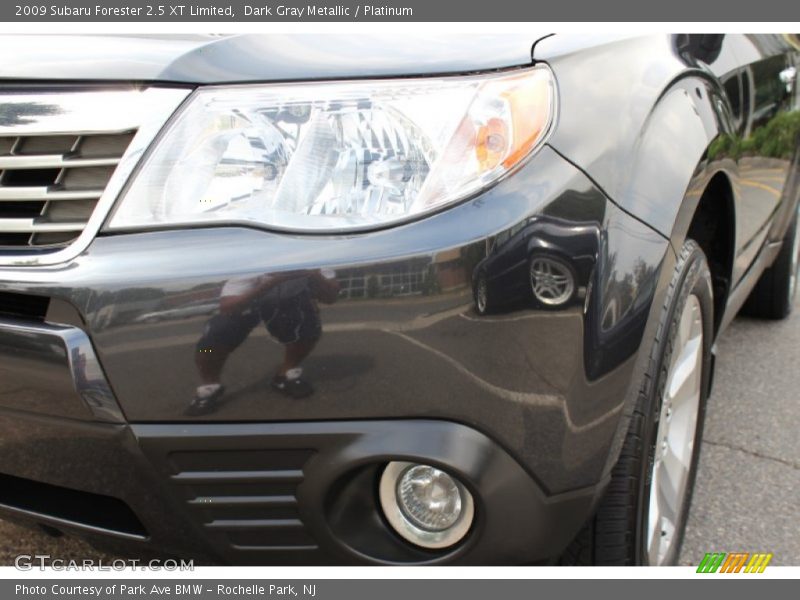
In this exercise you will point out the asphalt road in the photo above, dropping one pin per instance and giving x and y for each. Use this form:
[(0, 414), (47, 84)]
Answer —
[(747, 496)]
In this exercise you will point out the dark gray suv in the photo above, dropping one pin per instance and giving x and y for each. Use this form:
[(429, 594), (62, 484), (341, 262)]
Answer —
[(328, 299)]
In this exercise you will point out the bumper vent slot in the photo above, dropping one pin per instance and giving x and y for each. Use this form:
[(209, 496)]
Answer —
[(50, 185), (248, 497), (57, 505), (24, 306)]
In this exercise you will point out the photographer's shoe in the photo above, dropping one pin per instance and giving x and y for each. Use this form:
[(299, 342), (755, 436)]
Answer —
[(206, 400), (292, 384)]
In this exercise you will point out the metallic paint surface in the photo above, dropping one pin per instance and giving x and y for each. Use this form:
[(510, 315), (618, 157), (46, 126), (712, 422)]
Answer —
[(549, 384), (204, 59)]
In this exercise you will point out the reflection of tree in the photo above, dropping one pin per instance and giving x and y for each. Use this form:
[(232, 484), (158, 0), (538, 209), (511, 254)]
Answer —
[(24, 113), (625, 291), (643, 276), (776, 139)]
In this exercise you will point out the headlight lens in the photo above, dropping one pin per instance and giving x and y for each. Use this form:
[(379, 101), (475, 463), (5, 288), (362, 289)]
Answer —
[(337, 156)]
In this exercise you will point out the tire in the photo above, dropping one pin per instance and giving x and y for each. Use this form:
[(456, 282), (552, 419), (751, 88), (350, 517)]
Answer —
[(774, 294), (618, 532)]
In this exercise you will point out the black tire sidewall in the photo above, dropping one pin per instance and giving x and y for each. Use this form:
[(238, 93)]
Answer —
[(771, 298), (692, 276), (780, 274), (794, 232)]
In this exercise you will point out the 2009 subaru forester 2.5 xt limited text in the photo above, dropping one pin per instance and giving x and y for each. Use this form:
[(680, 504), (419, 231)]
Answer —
[(270, 299)]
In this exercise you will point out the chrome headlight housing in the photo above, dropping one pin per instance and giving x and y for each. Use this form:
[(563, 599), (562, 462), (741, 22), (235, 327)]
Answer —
[(337, 156)]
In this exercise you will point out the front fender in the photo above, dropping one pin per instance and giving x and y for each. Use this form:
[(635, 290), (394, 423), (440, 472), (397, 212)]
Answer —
[(641, 143), (661, 185)]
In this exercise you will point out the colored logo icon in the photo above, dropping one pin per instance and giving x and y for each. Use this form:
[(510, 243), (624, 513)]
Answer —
[(734, 562)]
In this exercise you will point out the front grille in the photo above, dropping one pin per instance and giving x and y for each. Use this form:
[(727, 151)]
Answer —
[(50, 184)]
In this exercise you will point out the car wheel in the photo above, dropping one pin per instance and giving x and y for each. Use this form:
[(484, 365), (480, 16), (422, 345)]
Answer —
[(642, 516), (774, 294), (552, 280), (482, 305)]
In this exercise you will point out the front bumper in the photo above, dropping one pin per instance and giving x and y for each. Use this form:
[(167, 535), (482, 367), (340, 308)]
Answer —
[(299, 493), (534, 396)]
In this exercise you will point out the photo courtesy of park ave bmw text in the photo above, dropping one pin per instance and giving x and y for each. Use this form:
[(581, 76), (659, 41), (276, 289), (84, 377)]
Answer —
[(159, 590), (280, 287)]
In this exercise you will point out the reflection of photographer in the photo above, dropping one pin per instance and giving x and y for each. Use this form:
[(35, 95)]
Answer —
[(287, 305)]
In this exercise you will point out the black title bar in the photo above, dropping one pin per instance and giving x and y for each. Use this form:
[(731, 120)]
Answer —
[(151, 11)]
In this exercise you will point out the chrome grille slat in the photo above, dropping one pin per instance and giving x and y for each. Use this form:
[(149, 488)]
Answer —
[(53, 161), (22, 194), (38, 174), (37, 226)]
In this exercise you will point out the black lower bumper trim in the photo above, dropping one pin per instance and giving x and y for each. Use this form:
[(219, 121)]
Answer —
[(271, 493), (57, 505), (307, 492)]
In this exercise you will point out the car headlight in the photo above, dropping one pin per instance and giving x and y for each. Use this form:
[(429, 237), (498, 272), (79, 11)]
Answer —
[(336, 156)]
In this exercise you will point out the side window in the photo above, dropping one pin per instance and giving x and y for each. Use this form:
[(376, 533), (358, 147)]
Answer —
[(517, 228), (747, 94), (769, 90), (734, 93), (500, 240)]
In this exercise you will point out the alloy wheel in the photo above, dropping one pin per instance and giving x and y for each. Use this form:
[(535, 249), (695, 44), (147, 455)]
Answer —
[(675, 436), (482, 295), (551, 281)]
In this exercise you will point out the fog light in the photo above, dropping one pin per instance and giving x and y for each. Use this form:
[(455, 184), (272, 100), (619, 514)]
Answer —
[(425, 505)]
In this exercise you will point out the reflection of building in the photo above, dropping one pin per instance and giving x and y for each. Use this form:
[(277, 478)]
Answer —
[(122, 306), (450, 270), (399, 279), (444, 272)]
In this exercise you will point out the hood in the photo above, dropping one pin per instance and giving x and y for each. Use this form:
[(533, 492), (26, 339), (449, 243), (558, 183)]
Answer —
[(246, 58)]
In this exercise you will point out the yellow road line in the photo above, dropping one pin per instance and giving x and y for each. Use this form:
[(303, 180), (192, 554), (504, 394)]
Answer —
[(761, 186)]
